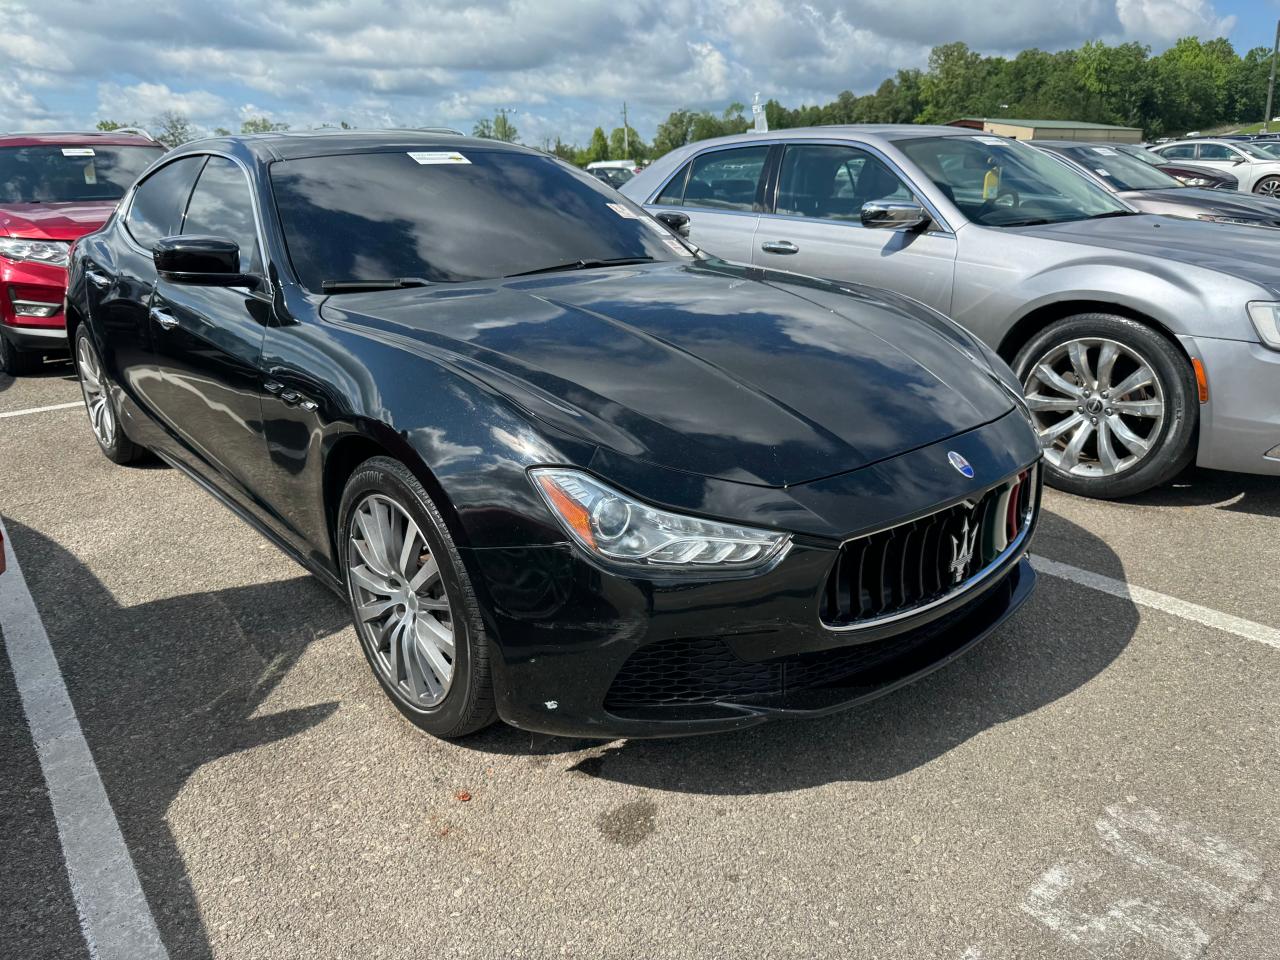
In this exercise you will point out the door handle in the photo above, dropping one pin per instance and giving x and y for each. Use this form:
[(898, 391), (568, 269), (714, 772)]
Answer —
[(97, 279), (291, 397), (163, 317), (779, 246)]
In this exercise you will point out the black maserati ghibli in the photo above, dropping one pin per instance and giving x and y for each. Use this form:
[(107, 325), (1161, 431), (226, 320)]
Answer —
[(568, 471)]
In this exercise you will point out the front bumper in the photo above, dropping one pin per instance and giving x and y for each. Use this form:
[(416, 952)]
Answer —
[(1241, 421), (580, 650), (22, 284)]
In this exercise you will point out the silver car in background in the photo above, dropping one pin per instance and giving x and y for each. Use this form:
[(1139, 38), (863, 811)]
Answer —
[(1143, 342)]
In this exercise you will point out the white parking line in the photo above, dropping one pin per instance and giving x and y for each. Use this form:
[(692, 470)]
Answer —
[(114, 916), (31, 410), (1161, 601)]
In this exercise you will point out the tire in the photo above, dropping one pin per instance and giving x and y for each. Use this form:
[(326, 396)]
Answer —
[(1099, 443), (411, 626), (99, 403), (15, 362), (1268, 187)]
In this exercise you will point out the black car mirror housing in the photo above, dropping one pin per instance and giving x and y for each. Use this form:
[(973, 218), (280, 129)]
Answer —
[(201, 261), (679, 222)]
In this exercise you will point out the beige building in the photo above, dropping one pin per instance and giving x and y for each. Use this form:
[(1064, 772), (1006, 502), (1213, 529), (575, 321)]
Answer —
[(1051, 129)]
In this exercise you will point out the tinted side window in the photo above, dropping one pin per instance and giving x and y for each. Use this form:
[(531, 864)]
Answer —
[(672, 194), (1185, 152), (160, 200), (832, 183), (1216, 151), (222, 206), (726, 179)]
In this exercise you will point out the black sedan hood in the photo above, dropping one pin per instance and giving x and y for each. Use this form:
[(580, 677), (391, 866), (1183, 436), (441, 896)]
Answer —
[(1218, 203), (702, 368)]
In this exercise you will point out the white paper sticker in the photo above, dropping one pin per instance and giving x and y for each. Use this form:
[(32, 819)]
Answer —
[(656, 227), (90, 174), (1102, 173), (77, 151), (438, 156), (677, 247), (622, 211), (994, 141), (1105, 151)]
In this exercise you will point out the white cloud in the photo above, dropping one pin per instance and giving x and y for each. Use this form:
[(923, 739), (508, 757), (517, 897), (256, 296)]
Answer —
[(565, 65)]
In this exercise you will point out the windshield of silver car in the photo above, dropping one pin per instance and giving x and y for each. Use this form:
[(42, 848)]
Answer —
[(1001, 183)]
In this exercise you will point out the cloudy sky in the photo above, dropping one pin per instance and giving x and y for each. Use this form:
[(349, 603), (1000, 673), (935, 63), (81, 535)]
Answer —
[(561, 66)]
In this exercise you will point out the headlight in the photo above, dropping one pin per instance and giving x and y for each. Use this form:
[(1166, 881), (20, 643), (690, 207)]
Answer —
[(1266, 320), (52, 252), (1195, 182), (616, 527)]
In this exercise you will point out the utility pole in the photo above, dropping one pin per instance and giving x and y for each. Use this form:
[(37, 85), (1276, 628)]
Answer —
[(626, 134), (1271, 86)]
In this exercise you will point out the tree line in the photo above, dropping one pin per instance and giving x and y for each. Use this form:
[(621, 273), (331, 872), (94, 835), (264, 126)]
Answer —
[(1193, 84)]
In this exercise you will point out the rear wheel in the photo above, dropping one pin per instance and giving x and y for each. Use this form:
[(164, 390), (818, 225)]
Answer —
[(96, 389), (1114, 403), (15, 362), (1268, 187), (415, 611)]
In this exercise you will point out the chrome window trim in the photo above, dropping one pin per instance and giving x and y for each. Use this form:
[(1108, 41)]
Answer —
[(126, 205), (688, 165), (1007, 557)]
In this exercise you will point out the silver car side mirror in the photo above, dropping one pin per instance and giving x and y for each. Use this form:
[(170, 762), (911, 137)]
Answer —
[(894, 215)]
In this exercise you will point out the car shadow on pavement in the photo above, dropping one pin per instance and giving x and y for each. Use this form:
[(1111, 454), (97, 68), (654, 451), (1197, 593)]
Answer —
[(52, 370), (163, 687), (1062, 638), (1237, 492)]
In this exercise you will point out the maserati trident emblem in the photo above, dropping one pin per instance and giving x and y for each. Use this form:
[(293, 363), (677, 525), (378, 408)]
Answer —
[(961, 464), (962, 551)]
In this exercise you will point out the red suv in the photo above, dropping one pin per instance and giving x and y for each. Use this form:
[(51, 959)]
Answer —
[(54, 188)]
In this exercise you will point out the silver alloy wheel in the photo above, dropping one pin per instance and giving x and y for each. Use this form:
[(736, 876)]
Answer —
[(402, 607), (1098, 406), (1269, 187), (94, 388)]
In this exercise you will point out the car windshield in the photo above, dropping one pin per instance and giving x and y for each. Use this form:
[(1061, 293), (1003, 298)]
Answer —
[(453, 216), (1263, 151), (1002, 183), (1119, 170), (69, 174)]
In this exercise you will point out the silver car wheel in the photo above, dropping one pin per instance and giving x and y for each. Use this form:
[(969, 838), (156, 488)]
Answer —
[(402, 608), (1098, 406), (93, 386), (1270, 187)]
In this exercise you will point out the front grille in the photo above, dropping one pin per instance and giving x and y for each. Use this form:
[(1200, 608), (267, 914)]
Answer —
[(895, 571)]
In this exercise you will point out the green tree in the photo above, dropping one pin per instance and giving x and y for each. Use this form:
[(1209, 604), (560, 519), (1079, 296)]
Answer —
[(499, 128), (173, 129), (262, 125), (598, 148), (628, 147)]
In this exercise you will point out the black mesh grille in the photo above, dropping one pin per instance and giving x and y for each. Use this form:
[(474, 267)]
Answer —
[(914, 564), (705, 671)]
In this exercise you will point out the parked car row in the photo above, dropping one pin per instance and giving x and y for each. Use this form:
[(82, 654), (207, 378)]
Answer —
[(574, 470)]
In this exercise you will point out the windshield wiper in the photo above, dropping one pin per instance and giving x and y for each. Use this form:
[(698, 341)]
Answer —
[(1113, 213), (362, 286), (582, 264)]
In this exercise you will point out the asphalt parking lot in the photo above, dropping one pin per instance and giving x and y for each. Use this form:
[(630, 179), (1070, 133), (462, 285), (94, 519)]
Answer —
[(1098, 779)]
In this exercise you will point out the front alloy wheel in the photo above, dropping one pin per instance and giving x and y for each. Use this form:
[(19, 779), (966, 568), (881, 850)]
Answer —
[(96, 389), (1113, 401), (1097, 405), (400, 600)]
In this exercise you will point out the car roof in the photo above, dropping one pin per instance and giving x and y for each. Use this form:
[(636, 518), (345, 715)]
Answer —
[(861, 131), (324, 143), (66, 138)]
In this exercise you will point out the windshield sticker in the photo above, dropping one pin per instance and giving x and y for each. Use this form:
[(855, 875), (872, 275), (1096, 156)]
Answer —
[(993, 141), (90, 174), (656, 227), (429, 157), (622, 211), (1102, 173), (1105, 151), (677, 247), (77, 151)]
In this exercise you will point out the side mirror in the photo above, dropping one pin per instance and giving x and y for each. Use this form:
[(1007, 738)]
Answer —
[(894, 215), (201, 262), (679, 222)]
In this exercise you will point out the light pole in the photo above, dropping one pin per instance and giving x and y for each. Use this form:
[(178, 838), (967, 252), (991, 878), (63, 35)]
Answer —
[(1271, 85)]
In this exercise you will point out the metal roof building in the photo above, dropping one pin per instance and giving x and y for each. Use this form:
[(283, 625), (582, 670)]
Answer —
[(1051, 129)]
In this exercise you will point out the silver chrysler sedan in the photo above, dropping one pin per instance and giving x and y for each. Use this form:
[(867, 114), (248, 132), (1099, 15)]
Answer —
[(1142, 342)]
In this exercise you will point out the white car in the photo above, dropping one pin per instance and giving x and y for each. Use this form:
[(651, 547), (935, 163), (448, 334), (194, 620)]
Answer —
[(1257, 169)]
